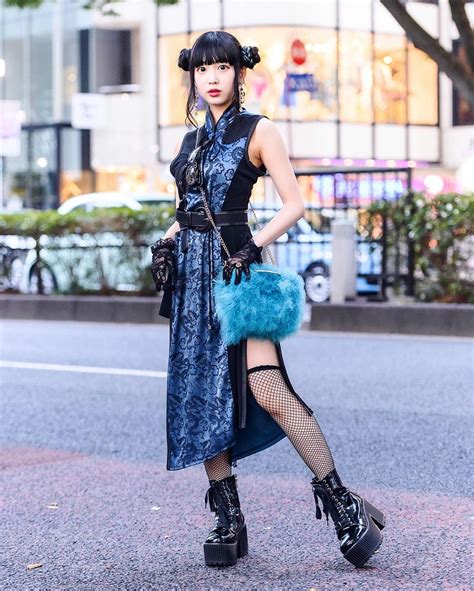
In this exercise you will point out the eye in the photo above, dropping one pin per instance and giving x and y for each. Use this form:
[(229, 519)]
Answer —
[(200, 70)]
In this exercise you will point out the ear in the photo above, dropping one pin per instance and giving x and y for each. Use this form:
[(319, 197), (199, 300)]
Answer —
[(242, 73)]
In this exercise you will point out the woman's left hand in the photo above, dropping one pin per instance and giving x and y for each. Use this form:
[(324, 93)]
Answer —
[(241, 261)]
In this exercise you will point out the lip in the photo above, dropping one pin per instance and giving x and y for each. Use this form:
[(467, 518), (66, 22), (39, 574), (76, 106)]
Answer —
[(214, 92)]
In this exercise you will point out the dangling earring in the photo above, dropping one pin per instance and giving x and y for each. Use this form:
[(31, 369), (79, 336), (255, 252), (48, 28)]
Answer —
[(196, 98), (241, 96)]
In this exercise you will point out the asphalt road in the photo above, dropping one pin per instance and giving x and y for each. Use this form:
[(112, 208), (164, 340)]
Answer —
[(85, 491)]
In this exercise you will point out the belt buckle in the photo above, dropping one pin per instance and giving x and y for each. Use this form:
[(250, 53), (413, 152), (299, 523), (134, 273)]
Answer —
[(205, 225)]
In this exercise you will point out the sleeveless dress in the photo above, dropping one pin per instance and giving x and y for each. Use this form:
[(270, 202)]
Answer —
[(209, 405)]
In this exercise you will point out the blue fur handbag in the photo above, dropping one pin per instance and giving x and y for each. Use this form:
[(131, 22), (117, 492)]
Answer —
[(268, 305)]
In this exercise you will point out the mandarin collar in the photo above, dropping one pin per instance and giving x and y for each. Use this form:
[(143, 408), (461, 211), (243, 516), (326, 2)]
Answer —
[(227, 116)]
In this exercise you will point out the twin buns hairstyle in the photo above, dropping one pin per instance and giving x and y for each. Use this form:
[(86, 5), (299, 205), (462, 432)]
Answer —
[(249, 56)]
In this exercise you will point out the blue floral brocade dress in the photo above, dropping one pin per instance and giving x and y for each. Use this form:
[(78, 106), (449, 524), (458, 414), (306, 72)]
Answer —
[(209, 404)]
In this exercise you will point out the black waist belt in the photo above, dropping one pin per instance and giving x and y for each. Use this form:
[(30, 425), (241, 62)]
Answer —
[(198, 220)]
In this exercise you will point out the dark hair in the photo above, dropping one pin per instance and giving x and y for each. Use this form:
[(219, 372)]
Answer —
[(210, 48)]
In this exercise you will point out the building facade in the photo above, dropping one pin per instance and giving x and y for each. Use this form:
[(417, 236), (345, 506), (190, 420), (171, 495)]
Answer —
[(338, 77)]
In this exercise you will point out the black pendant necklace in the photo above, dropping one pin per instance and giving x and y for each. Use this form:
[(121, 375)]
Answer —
[(193, 172)]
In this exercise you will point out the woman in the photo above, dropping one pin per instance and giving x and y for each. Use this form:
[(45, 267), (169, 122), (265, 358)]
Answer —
[(226, 403)]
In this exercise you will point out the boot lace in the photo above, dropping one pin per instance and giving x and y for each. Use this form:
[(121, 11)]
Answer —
[(330, 496), (222, 503)]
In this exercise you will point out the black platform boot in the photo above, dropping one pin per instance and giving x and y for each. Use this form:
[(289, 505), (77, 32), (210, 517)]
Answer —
[(358, 523), (227, 541)]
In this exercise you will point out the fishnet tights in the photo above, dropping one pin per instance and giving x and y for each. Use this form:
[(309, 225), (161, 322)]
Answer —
[(271, 392), (219, 466)]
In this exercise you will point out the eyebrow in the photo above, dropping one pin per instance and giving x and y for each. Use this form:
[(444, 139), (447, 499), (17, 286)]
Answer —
[(203, 65)]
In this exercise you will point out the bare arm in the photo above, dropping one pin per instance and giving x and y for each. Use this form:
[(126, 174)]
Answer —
[(171, 231), (274, 155)]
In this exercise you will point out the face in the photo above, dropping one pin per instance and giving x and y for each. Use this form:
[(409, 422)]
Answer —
[(218, 77)]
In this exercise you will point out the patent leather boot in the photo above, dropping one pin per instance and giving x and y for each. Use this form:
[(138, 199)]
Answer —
[(227, 541), (357, 522)]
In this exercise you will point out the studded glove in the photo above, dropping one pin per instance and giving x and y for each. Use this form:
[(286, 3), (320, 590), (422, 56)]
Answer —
[(241, 261), (163, 264)]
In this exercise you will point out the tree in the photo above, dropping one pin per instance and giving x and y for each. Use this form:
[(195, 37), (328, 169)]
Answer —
[(461, 72)]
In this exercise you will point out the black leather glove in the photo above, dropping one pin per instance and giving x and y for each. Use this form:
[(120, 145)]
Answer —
[(162, 266), (241, 260)]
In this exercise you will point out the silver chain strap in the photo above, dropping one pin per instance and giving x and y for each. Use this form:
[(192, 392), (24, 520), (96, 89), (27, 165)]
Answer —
[(219, 234), (212, 219), (259, 228)]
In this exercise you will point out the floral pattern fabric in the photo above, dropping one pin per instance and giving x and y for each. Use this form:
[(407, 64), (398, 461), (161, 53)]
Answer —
[(200, 405)]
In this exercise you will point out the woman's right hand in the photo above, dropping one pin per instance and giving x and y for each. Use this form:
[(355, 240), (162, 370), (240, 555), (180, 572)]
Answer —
[(241, 261), (163, 262)]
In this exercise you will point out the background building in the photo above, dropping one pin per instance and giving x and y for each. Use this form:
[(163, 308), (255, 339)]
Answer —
[(339, 78)]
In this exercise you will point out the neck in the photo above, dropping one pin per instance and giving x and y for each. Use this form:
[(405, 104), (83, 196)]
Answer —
[(216, 111)]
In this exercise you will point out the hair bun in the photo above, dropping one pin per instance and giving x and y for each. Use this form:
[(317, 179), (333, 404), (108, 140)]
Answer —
[(184, 59), (250, 56)]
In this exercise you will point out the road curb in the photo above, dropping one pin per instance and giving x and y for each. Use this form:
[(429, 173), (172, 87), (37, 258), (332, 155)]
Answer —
[(423, 319), (82, 308)]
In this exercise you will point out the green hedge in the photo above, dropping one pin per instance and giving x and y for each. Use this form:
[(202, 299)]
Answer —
[(136, 229), (136, 226), (441, 231)]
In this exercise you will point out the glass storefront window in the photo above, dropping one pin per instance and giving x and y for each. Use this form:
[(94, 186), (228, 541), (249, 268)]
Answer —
[(41, 64), (296, 77), (355, 77), (173, 82), (31, 176), (71, 59), (74, 180), (113, 51), (76, 37), (44, 167), (423, 88), (15, 178), (15, 48), (390, 86)]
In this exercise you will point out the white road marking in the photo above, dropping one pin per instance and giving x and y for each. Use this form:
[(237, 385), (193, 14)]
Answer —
[(84, 369)]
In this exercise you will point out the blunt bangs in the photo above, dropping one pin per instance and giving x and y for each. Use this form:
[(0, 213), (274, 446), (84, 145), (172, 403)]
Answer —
[(212, 48)]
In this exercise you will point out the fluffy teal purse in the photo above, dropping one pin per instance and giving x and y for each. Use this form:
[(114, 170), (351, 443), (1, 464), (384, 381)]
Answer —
[(268, 305)]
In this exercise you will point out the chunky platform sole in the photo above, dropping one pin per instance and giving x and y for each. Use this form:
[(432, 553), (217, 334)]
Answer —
[(369, 543), (376, 514), (227, 554)]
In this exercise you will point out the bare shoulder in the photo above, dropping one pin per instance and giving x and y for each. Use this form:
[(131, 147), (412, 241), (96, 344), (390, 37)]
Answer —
[(264, 126), (268, 138), (263, 136), (266, 133)]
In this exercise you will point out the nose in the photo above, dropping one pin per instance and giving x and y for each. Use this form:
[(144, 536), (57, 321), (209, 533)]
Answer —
[(214, 76)]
